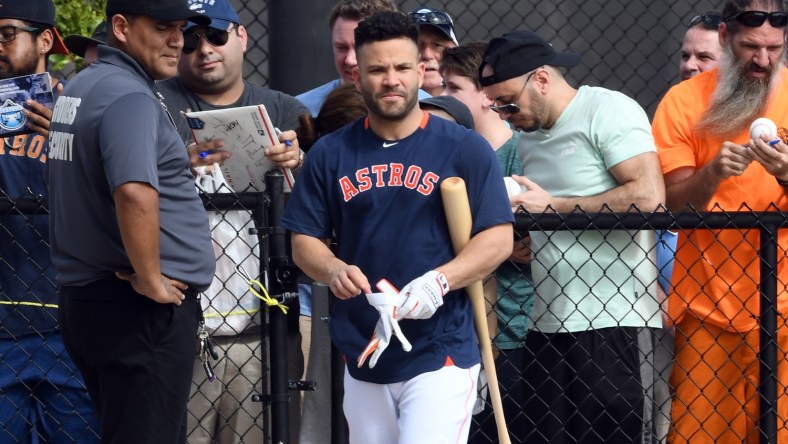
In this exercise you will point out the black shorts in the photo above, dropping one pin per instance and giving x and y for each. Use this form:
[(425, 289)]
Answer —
[(594, 386)]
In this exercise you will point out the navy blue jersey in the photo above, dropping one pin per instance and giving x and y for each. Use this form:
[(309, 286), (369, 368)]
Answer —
[(28, 300), (381, 201)]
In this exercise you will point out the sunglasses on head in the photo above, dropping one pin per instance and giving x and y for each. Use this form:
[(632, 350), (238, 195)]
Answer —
[(755, 19), (216, 37), (431, 18), (710, 21)]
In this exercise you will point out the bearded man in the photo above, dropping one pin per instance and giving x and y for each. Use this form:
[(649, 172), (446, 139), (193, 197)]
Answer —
[(710, 162)]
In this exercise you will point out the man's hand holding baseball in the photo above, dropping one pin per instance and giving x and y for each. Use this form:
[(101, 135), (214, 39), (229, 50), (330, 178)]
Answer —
[(535, 199), (731, 160), (423, 296), (773, 157)]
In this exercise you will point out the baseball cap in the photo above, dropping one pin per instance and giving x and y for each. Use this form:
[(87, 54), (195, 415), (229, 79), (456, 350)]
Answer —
[(78, 43), (458, 110), (220, 12), (169, 10), (518, 52), (437, 19), (37, 11)]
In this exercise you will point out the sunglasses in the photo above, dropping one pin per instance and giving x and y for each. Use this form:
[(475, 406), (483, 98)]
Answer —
[(431, 18), (512, 108), (755, 19), (710, 21), (216, 37), (8, 32)]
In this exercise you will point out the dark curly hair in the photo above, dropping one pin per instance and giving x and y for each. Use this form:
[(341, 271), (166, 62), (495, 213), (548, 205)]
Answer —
[(384, 26)]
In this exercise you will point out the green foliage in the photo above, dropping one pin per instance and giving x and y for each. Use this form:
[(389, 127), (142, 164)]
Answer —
[(75, 17)]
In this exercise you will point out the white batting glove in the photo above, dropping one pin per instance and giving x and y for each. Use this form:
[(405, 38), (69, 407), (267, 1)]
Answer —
[(386, 304), (423, 296)]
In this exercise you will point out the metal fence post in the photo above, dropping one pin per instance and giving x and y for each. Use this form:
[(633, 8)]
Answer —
[(282, 287), (767, 355)]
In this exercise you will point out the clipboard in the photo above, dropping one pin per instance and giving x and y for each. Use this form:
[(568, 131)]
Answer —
[(246, 131)]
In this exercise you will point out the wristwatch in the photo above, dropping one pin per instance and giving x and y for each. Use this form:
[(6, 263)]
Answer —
[(300, 159)]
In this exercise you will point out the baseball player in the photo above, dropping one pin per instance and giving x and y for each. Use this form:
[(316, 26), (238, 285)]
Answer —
[(374, 187)]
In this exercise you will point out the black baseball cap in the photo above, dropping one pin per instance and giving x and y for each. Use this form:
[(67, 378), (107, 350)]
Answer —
[(168, 10), (518, 52), (78, 43), (36, 11), (437, 19), (453, 107)]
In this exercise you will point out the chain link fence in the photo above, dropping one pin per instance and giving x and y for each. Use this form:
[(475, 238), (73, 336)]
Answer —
[(36, 363), (632, 47), (627, 46)]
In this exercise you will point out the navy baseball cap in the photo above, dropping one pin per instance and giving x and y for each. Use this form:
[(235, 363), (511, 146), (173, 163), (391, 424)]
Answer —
[(220, 12), (36, 11), (78, 43), (518, 52), (168, 10), (437, 19), (453, 107)]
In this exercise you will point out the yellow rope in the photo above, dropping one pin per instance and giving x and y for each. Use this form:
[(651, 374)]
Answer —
[(29, 304), (265, 297), (231, 313)]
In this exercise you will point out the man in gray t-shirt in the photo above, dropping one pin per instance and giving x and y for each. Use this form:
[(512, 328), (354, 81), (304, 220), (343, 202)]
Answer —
[(130, 237)]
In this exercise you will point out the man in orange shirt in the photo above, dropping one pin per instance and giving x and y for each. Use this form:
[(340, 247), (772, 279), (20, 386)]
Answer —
[(710, 162)]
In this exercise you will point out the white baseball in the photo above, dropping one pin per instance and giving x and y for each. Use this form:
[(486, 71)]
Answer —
[(512, 187), (763, 126)]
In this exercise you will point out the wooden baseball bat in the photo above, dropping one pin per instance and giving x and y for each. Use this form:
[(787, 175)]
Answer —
[(458, 216)]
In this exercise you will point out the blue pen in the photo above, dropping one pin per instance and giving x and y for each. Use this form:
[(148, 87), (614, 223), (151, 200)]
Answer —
[(204, 154), (278, 132)]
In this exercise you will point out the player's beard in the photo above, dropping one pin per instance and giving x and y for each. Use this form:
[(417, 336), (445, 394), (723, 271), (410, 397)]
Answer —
[(738, 99), (26, 65), (392, 111)]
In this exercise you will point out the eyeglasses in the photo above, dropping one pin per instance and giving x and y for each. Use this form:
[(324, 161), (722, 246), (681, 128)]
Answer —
[(431, 18), (710, 21), (513, 108), (755, 19), (216, 37), (8, 32)]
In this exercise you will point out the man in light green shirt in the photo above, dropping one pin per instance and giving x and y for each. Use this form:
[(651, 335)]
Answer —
[(595, 314)]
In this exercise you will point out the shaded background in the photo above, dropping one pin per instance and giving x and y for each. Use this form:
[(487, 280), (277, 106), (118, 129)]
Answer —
[(629, 46)]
